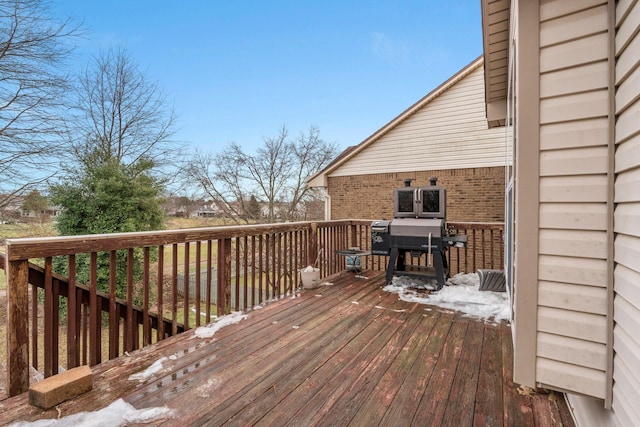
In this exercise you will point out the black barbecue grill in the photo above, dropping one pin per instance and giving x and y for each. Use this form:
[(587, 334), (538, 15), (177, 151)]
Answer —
[(418, 228)]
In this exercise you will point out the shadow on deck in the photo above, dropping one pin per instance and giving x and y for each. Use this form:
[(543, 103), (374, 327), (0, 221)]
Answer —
[(347, 354)]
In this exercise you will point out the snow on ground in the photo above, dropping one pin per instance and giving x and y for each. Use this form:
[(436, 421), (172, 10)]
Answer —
[(209, 330), (119, 413), (460, 294)]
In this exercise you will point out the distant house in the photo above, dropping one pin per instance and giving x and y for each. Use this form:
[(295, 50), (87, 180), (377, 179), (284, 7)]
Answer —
[(564, 76), (13, 210), (207, 211), (445, 135)]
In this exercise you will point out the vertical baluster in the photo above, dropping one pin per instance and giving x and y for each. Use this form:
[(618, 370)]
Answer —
[(84, 316), (475, 247), (73, 313), (260, 269), (501, 246), (484, 246), (267, 263), (114, 321), (277, 264), (146, 321), (299, 248), (48, 318), (34, 326), (329, 251), (304, 250), (286, 262), (492, 255), (129, 324), (224, 276), (187, 284), (253, 271), (245, 271), (198, 299), (95, 347), (291, 249), (461, 254), (160, 295), (209, 279), (174, 289), (291, 261), (55, 320), (236, 268)]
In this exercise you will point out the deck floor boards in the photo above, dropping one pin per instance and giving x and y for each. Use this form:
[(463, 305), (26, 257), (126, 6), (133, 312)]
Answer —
[(465, 382), (346, 354)]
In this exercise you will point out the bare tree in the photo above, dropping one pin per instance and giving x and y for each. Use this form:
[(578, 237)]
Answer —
[(122, 115), (33, 84), (311, 155), (218, 177), (276, 175)]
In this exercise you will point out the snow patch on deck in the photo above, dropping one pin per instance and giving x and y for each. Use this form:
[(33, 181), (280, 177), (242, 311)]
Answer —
[(210, 330), (119, 413), (151, 370), (460, 294)]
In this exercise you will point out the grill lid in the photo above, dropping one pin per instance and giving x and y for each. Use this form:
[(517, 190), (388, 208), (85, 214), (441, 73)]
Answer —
[(417, 227)]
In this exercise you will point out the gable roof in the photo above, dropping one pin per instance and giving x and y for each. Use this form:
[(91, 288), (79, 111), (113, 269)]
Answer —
[(320, 179)]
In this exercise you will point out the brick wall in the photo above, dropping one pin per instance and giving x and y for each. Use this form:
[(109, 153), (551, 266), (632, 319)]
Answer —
[(474, 194)]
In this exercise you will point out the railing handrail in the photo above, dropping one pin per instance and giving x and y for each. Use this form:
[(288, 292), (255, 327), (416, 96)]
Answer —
[(476, 225), (37, 247), (40, 247)]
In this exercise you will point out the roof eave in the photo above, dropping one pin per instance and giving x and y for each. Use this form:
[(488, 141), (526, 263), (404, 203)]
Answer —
[(496, 15)]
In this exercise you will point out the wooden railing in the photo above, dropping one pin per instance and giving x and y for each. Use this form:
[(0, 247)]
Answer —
[(186, 278), (485, 247)]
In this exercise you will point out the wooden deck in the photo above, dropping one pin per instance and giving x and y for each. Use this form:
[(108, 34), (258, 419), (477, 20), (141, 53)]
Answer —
[(347, 354)]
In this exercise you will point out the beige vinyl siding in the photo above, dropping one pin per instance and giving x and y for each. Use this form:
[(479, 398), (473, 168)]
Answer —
[(572, 216), (450, 132), (561, 135), (552, 347), (573, 243), (626, 373), (573, 192)]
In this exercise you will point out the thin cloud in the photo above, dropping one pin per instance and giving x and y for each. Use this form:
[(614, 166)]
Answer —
[(388, 50)]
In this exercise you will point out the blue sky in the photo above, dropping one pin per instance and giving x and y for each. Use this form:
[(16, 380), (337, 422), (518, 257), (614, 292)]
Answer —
[(239, 70)]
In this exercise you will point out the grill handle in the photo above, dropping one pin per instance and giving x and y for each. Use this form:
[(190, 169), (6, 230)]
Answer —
[(429, 252)]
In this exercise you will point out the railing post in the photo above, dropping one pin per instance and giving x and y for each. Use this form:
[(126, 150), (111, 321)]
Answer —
[(17, 325), (313, 243), (223, 302), (355, 237)]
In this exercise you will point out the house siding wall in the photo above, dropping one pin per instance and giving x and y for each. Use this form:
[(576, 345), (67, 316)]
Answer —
[(571, 343), (450, 132), (473, 194), (626, 373)]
